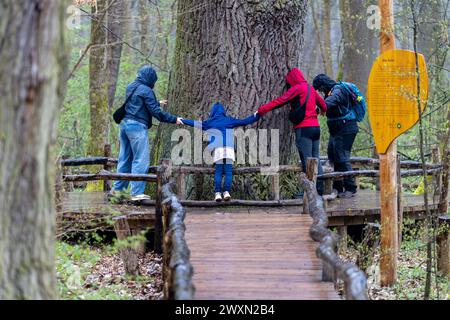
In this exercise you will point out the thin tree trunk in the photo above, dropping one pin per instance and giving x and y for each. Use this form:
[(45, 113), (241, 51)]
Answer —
[(145, 23), (360, 43), (327, 37), (429, 224), (98, 82), (115, 16), (32, 77)]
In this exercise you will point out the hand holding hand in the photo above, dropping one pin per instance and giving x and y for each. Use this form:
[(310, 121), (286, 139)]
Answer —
[(256, 113), (164, 103), (180, 121)]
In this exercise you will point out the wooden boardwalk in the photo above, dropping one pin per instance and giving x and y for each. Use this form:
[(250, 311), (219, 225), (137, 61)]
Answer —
[(247, 252), (254, 254)]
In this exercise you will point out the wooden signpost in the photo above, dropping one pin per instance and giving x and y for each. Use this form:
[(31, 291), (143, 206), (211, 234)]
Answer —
[(392, 101)]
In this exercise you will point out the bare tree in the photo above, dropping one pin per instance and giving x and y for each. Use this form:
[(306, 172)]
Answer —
[(32, 77)]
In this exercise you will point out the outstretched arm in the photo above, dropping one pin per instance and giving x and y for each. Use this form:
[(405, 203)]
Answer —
[(192, 123), (279, 102), (155, 110), (245, 122)]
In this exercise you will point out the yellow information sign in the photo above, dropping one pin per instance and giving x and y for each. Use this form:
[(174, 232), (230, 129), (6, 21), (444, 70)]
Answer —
[(392, 95)]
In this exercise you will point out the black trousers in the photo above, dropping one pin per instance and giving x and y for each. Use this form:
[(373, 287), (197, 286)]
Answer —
[(339, 153), (308, 145)]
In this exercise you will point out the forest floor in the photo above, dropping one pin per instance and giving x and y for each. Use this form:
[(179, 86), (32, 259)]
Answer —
[(411, 269), (97, 273)]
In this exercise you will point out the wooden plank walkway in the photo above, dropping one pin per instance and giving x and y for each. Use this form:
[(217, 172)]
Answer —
[(256, 254)]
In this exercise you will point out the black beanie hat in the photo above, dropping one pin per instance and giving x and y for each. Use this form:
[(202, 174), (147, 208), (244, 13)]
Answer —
[(323, 83)]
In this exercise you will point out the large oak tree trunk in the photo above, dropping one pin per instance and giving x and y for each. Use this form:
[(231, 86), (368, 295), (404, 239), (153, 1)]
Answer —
[(237, 52), (32, 80)]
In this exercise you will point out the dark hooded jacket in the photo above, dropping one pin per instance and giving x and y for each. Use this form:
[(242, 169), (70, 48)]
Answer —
[(337, 100), (296, 96), (144, 105), (220, 126)]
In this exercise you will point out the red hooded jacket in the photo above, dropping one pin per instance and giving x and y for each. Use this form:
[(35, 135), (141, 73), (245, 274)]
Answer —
[(296, 95)]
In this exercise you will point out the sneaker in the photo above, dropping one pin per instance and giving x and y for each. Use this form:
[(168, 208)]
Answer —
[(346, 195), (226, 196), (218, 197), (140, 197)]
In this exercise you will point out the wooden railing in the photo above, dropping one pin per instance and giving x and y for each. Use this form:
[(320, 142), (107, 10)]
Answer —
[(334, 268), (177, 269)]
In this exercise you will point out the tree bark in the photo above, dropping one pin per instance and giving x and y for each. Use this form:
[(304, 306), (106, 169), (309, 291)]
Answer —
[(237, 53), (98, 82), (115, 23), (360, 43), (32, 77)]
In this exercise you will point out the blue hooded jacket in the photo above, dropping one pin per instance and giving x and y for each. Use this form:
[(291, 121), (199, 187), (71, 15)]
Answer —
[(219, 123), (143, 105)]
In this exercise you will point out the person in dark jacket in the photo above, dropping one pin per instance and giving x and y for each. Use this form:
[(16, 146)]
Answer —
[(134, 156), (220, 129), (307, 132), (343, 129)]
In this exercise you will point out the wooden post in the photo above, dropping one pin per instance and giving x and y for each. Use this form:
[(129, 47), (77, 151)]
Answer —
[(275, 187), (107, 185), (342, 231), (164, 173), (328, 271), (388, 172), (129, 255), (181, 186), (443, 243), (312, 169), (399, 202), (59, 196), (376, 180), (68, 186), (443, 201)]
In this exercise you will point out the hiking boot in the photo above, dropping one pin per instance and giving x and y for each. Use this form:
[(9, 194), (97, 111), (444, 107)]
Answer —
[(226, 196), (140, 197), (218, 197)]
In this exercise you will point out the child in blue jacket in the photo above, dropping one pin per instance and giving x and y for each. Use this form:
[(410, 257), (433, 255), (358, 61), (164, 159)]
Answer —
[(220, 128)]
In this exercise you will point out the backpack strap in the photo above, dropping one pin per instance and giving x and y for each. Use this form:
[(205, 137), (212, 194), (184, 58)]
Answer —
[(307, 96)]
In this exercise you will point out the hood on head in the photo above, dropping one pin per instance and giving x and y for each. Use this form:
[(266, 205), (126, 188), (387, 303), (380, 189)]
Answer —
[(323, 83), (147, 76), (295, 77), (217, 110)]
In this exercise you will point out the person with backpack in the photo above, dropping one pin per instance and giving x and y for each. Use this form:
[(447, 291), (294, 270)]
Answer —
[(346, 107), (135, 119), (304, 101)]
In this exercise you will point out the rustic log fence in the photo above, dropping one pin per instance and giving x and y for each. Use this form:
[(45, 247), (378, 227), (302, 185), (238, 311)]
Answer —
[(177, 269), (334, 268)]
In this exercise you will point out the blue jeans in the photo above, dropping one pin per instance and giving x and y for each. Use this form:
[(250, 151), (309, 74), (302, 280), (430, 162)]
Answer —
[(134, 156), (223, 167), (308, 145)]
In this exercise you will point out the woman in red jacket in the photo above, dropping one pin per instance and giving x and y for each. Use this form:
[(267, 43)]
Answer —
[(307, 131)]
